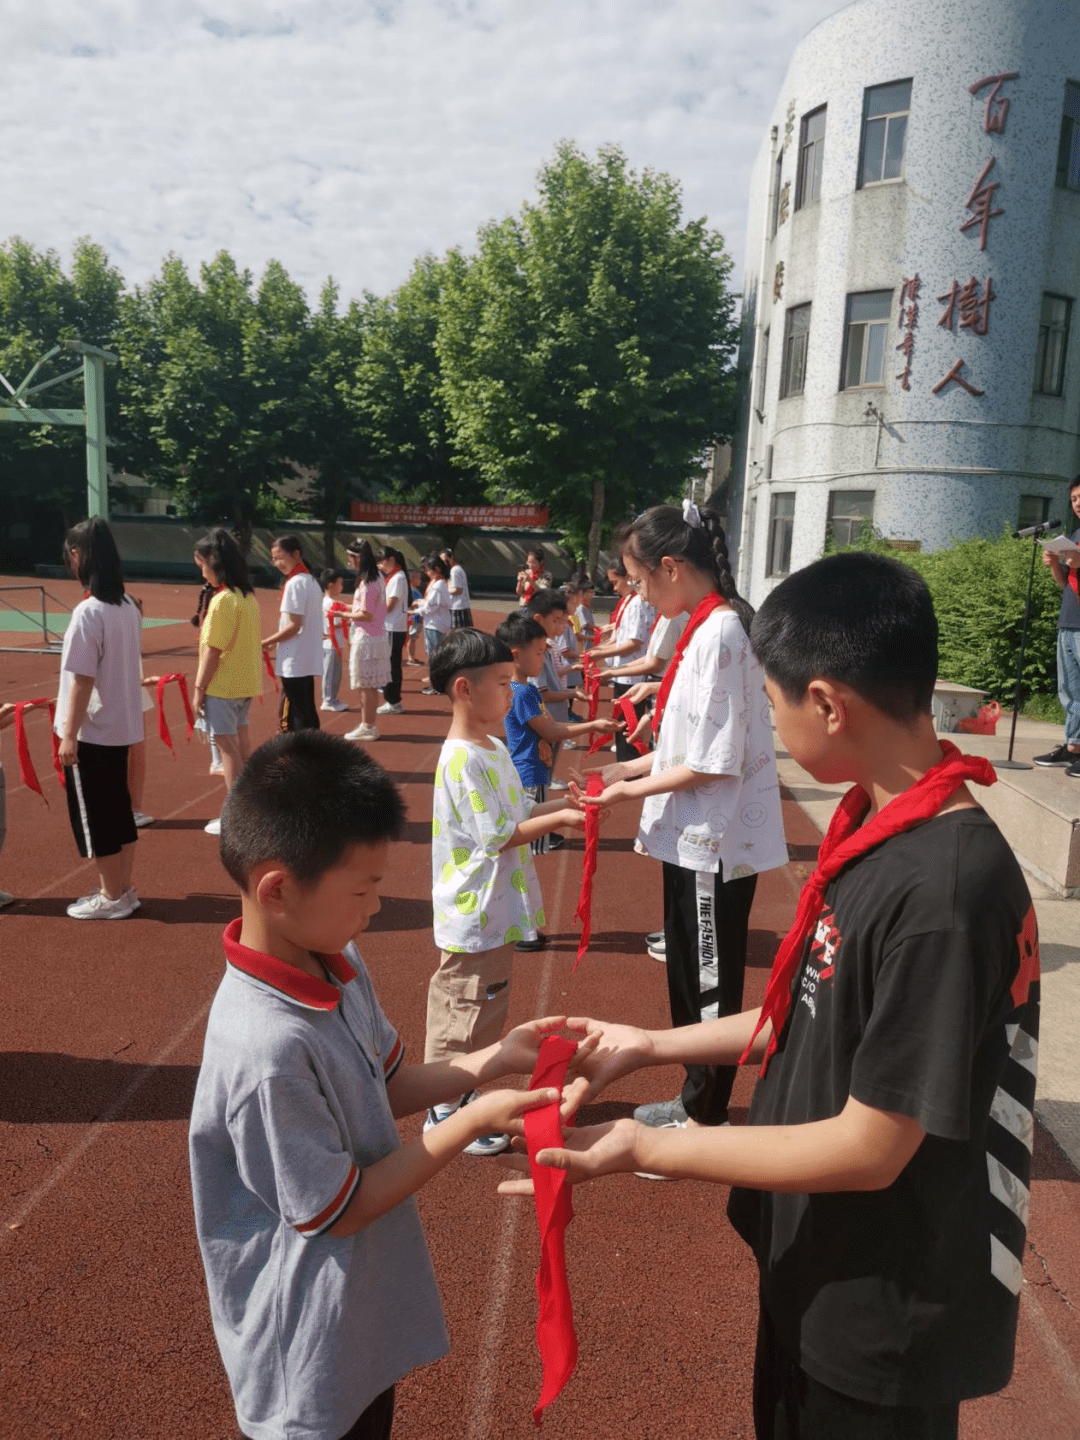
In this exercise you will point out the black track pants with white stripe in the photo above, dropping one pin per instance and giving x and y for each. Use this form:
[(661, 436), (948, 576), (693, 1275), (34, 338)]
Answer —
[(705, 920)]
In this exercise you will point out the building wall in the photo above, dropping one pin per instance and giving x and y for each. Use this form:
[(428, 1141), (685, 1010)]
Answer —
[(947, 465)]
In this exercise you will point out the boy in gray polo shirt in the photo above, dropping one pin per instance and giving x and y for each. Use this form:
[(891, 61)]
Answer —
[(322, 1293)]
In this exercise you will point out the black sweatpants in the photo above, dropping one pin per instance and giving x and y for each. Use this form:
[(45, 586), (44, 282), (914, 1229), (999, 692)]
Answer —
[(705, 920), (790, 1405), (392, 692), (298, 710)]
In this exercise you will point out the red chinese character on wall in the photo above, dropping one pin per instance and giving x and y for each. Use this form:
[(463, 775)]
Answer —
[(954, 374), (909, 319), (997, 107), (980, 203), (972, 301)]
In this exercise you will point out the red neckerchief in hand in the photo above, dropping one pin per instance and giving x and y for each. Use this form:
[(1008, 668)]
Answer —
[(22, 746), (625, 708), (594, 786), (189, 714), (590, 681), (338, 612), (846, 839), (702, 610), (268, 665), (555, 1333), (600, 741)]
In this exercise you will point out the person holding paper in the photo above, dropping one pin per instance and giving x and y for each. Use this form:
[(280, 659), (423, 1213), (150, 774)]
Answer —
[(1065, 568)]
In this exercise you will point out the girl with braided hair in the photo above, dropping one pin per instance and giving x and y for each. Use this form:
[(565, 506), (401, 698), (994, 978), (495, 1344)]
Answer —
[(711, 812)]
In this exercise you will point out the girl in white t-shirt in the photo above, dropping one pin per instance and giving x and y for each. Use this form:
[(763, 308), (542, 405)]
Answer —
[(434, 608), (712, 800)]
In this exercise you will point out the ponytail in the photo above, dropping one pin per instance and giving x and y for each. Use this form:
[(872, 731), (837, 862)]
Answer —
[(698, 539)]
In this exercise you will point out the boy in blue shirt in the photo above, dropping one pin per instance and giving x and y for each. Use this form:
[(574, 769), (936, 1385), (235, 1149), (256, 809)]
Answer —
[(531, 733), (322, 1293)]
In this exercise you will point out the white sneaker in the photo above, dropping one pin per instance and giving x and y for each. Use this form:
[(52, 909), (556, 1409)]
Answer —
[(335, 705), (99, 907), (214, 827), (362, 732), (141, 819), (129, 895), (557, 785), (389, 709), (217, 769), (6, 899)]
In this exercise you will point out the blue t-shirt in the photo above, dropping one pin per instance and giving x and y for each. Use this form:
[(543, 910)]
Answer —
[(521, 739)]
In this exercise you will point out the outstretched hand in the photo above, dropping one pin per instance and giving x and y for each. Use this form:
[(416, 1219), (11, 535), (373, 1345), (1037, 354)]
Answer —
[(519, 1047), (608, 1052), (585, 1154)]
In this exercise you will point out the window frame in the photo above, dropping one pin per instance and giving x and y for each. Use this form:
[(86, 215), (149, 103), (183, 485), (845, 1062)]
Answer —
[(832, 520), (1069, 142), (782, 527), (818, 148), (1046, 328), (861, 183), (763, 371), (787, 391), (1043, 503), (849, 324), (778, 175)]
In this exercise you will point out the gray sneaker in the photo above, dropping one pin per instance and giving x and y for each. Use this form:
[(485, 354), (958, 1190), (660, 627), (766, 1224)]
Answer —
[(661, 1114)]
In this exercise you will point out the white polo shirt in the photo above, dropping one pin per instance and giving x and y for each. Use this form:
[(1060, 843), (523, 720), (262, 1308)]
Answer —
[(105, 642), (397, 587), (459, 581), (290, 1106)]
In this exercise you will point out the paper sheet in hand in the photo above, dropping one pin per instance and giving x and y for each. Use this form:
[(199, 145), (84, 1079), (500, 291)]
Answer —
[(1061, 545)]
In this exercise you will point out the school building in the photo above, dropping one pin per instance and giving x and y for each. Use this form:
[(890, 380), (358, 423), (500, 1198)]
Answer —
[(910, 349)]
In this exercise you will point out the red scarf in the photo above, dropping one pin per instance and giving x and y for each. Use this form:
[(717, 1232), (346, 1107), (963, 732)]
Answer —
[(594, 786), (163, 724), (625, 708), (555, 1333), (340, 613), (702, 610), (298, 569), (590, 680), (26, 764), (620, 608), (530, 584), (268, 666), (846, 840)]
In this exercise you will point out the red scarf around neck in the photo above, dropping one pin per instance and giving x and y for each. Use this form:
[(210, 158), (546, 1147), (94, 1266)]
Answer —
[(620, 609), (702, 610), (846, 840), (298, 569), (555, 1334)]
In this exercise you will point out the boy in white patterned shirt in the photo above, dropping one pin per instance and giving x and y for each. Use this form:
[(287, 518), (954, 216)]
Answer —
[(485, 893)]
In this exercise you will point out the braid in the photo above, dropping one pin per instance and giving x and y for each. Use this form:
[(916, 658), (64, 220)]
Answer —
[(204, 604), (725, 580)]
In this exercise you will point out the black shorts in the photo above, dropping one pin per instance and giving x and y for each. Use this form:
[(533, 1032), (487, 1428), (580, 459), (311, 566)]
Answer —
[(461, 619), (105, 808), (790, 1405)]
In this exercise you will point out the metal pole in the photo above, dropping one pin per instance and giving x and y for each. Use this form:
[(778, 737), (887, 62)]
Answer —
[(97, 481), (1010, 763), (44, 619)]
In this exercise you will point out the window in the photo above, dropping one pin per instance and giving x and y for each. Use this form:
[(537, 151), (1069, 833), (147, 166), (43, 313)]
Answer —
[(850, 512), (1068, 166), (763, 374), (776, 193), (1034, 510), (885, 119), (781, 525), (811, 153), (793, 360), (865, 336), (1053, 342)]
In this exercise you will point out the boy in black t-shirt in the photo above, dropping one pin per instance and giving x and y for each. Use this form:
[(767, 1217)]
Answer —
[(882, 1177)]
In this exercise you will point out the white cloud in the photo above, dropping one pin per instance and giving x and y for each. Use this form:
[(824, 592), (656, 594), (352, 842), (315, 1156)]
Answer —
[(344, 137)]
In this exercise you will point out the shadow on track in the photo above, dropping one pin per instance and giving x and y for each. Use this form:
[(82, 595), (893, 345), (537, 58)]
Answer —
[(47, 1088)]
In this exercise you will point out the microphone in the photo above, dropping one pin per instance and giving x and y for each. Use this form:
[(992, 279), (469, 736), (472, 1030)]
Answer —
[(1035, 529)]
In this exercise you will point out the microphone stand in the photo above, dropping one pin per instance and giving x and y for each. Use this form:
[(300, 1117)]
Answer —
[(1035, 531)]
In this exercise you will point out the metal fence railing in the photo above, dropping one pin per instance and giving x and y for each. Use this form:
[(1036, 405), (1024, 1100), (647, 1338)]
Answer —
[(51, 639)]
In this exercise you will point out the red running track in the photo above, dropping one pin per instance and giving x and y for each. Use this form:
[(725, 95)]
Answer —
[(106, 1329)]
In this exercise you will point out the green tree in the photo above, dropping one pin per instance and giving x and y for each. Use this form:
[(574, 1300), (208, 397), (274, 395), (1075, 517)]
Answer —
[(399, 398), (587, 349), (213, 377), (43, 467)]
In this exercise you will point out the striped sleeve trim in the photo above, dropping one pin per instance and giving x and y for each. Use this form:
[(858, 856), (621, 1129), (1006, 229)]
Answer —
[(333, 1211), (394, 1059)]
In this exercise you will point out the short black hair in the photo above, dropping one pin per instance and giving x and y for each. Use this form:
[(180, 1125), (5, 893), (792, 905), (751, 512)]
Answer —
[(864, 620), (1073, 483), (301, 800), (330, 574), (543, 602), (519, 629), (464, 649)]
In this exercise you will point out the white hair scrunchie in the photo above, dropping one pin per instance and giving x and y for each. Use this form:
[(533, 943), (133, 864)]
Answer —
[(691, 514)]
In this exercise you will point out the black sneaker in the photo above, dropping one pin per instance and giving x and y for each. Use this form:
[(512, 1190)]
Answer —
[(556, 842), (1073, 772), (1061, 756), (654, 937), (537, 944)]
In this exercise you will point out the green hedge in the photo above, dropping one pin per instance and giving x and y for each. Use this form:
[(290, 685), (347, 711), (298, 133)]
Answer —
[(979, 587)]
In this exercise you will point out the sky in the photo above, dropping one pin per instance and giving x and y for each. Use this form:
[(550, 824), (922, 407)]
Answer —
[(346, 137)]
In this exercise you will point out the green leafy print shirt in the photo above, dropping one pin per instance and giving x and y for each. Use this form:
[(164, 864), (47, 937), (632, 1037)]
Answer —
[(484, 893)]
